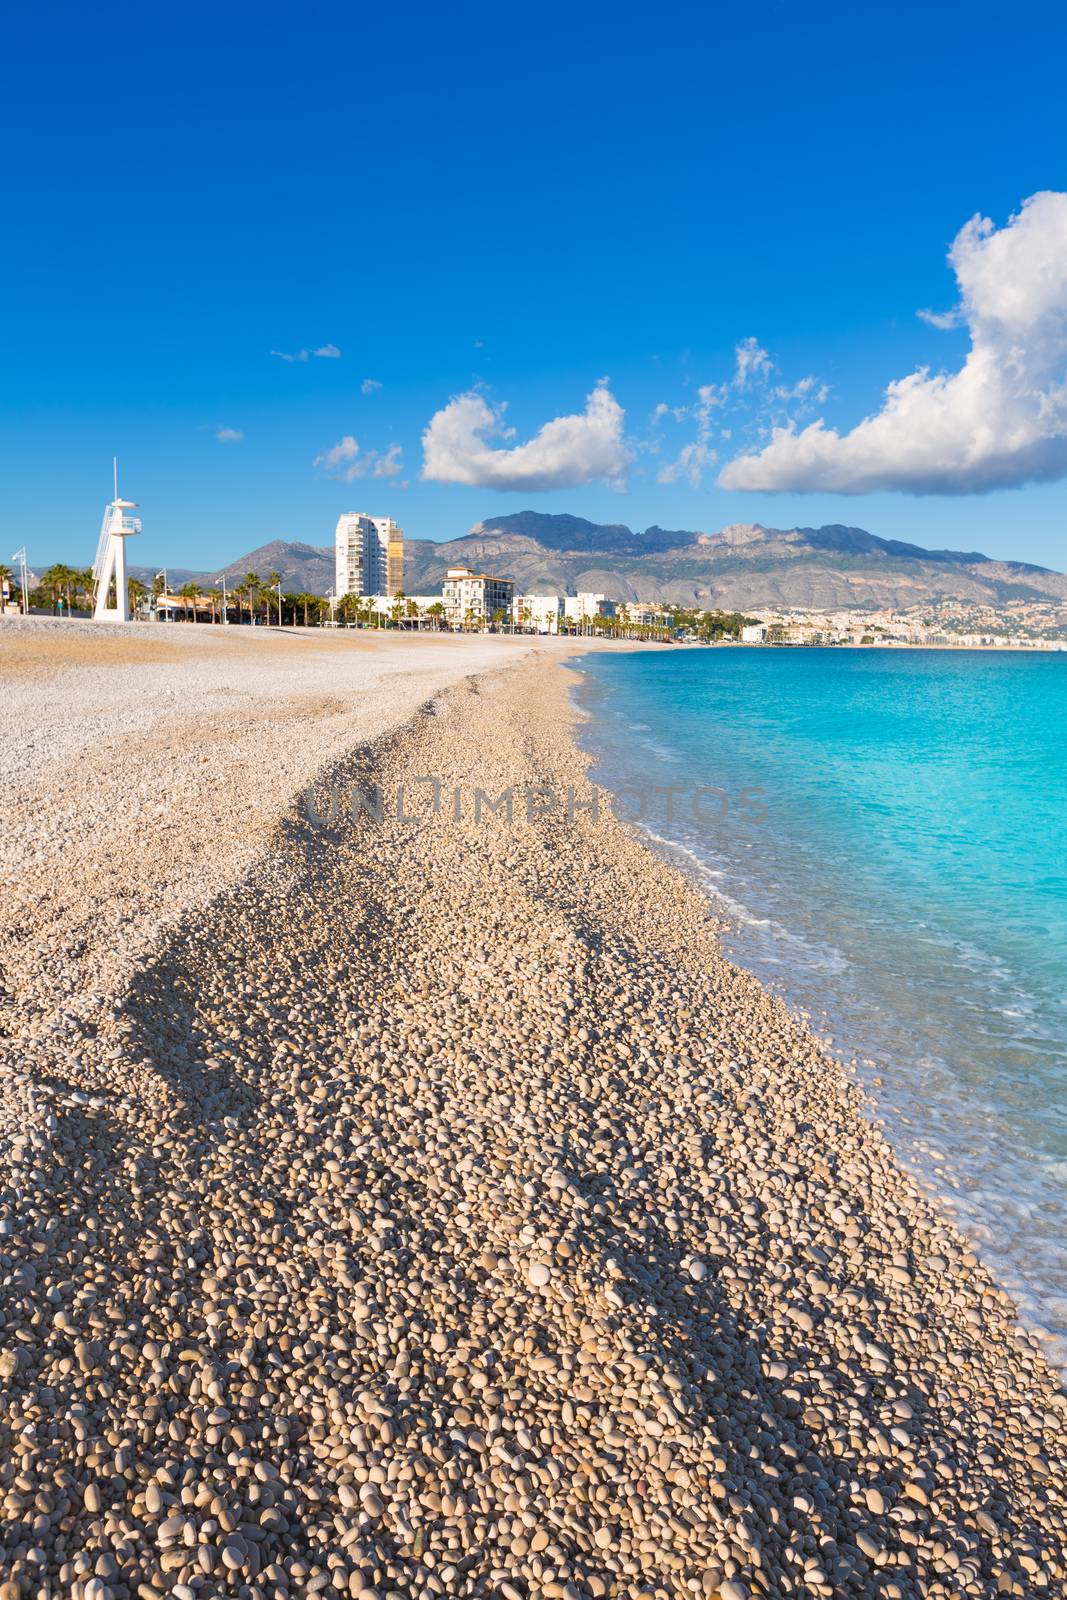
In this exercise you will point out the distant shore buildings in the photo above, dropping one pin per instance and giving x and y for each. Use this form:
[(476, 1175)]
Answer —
[(549, 613), (369, 591), (369, 555)]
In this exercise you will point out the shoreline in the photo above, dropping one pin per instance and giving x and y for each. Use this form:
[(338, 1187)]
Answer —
[(982, 1168), (439, 1211)]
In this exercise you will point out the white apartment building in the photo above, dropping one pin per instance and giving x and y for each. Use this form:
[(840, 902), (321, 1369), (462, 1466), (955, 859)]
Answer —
[(580, 606), (369, 555), (644, 615), (541, 612), (472, 598)]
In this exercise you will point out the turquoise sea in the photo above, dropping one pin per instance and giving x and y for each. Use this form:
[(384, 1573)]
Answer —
[(901, 875)]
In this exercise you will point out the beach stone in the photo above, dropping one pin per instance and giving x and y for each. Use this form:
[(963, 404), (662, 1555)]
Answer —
[(288, 1169)]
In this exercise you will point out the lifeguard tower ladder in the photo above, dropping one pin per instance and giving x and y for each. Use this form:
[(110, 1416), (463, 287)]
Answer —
[(110, 563)]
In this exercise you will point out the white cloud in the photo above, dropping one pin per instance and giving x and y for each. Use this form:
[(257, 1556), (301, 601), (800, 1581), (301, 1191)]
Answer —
[(690, 464), (229, 435), (1000, 421), (564, 452), (347, 462), (390, 465), (694, 458), (804, 389), (749, 404), (942, 319), (752, 360), (328, 352), (369, 386)]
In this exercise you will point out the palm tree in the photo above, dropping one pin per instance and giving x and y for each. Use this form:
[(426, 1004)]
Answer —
[(252, 585), (52, 584), (5, 577), (498, 618), (274, 580), (57, 581), (136, 591), (188, 593), (215, 596), (240, 594), (436, 611)]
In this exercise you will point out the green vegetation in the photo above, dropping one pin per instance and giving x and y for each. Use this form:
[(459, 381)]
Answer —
[(711, 625)]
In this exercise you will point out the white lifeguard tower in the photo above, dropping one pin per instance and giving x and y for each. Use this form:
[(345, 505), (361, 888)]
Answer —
[(110, 563)]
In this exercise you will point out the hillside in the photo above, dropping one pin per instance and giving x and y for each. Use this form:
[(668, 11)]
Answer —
[(739, 567)]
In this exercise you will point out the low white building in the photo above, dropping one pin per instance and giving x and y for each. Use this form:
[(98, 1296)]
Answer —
[(541, 613), (413, 608), (642, 614), (754, 633), (583, 607)]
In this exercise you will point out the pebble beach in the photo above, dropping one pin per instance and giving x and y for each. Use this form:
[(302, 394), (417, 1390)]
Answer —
[(407, 1199)]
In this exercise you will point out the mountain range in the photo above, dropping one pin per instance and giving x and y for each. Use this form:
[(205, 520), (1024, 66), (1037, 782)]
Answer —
[(742, 566)]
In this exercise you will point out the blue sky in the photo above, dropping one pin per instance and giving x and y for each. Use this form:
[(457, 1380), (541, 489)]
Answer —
[(506, 208)]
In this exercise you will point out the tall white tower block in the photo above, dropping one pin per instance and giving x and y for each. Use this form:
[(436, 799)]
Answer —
[(110, 562)]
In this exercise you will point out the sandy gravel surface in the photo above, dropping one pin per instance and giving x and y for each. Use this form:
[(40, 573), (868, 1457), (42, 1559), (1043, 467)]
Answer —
[(435, 1213), (142, 768)]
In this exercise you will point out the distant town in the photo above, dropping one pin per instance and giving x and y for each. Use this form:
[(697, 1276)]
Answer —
[(369, 592)]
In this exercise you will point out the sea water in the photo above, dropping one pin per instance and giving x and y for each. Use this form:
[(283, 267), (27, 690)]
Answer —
[(886, 831)]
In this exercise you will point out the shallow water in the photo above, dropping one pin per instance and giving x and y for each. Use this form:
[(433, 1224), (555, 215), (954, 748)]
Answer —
[(890, 843)]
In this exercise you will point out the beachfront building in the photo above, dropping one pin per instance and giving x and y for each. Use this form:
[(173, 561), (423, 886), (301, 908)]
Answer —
[(369, 555), (473, 599), (641, 614), (754, 633), (394, 557), (538, 613), (584, 607), (358, 564)]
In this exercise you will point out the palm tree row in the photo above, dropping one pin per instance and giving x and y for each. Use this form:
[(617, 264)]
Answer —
[(357, 611), (68, 589), (62, 588)]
